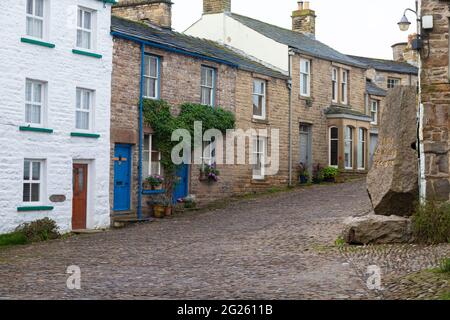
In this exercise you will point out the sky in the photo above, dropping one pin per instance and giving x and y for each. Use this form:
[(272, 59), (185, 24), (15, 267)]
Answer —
[(357, 27)]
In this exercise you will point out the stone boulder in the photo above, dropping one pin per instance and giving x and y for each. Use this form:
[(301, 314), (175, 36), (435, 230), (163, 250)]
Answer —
[(376, 229), (392, 181)]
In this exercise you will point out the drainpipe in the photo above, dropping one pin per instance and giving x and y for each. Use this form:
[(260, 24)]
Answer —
[(141, 94), (291, 53), (422, 178)]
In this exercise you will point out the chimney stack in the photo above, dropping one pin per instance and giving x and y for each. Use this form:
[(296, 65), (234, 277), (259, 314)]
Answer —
[(157, 12), (216, 6), (403, 52), (304, 20), (398, 50)]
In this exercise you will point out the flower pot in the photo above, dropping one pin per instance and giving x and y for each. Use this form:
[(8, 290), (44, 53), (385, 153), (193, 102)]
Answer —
[(303, 179), (168, 211), (157, 187), (158, 211)]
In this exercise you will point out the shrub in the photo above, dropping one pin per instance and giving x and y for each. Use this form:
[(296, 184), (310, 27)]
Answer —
[(13, 238), (39, 230), (330, 173), (431, 222), (317, 173), (445, 265)]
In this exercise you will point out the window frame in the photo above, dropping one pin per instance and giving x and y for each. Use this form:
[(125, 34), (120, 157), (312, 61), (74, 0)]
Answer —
[(40, 181), (212, 88), (396, 81), (33, 16), (374, 111), (263, 156), (42, 104), (264, 100), (308, 77), (82, 29), (211, 158), (344, 86), (362, 146), (335, 85), (329, 147), (350, 141), (150, 153), (91, 112), (148, 77)]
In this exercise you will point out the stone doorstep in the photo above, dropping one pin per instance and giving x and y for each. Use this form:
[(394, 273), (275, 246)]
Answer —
[(88, 231)]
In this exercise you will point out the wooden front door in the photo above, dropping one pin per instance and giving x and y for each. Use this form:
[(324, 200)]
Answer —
[(79, 202)]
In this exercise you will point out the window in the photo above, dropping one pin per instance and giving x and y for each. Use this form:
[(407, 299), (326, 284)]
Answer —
[(208, 86), (305, 77), (392, 83), (35, 18), (151, 163), (335, 88), (85, 28), (348, 148), (32, 181), (334, 146), (374, 111), (151, 77), (259, 99), (84, 109), (361, 148), (34, 102), (344, 87), (209, 152), (259, 157)]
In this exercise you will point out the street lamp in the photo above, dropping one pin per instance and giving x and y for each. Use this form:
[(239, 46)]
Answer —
[(404, 23)]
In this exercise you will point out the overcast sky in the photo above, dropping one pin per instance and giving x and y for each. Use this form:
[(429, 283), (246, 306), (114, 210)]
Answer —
[(359, 27)]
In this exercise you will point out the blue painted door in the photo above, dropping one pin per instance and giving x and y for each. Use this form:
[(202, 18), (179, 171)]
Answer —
[(122, 174), (181, 188)]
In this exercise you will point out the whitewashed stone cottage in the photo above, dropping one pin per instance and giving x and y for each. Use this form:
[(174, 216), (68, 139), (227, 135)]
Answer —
[(55, 84)]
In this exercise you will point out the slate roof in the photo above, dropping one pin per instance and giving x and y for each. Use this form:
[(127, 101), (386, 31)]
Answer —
[(192, 45), (388, 65), (337, 110), (297, 41), (373, 89)]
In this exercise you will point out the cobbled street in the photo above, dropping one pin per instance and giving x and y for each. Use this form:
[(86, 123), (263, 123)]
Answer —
[(280, 246)]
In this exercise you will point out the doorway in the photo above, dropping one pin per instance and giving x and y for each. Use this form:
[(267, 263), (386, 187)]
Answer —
[(80, 192)]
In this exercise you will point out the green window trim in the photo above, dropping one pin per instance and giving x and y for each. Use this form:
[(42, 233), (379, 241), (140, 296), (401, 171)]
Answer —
[(34, 129), (37, 42), (86, 53), (85, 135), (35, 208)]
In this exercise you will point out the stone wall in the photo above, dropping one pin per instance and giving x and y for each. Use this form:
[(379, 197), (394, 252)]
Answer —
[(158, 12), (216, 6), (436, 100)]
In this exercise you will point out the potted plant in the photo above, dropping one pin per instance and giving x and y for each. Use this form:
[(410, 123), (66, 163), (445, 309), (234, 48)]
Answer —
[(317, 173), (303, 174), (162, 207), (154, 182), (209, 173), (330, 174)]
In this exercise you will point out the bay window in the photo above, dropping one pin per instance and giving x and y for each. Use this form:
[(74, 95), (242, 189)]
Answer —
[(348, 148), (334, 147), (362, 138)]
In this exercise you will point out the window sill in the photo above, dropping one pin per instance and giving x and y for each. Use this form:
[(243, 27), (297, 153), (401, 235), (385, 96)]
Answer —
[(87, 53), (261, 121), (85, 135), (149, 192), (35, 208), (261, 181), (35, 129), (37, 42)]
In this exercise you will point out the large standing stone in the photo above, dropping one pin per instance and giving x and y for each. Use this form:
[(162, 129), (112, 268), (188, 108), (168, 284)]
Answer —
[(393, 179)]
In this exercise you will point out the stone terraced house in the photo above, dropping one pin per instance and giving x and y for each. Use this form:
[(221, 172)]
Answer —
[(435, 96), (55, 85), (179, 68)]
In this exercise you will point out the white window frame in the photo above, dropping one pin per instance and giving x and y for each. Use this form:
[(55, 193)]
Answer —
[(209, 147), (305, 74), (150, 152), (329, 147), (211, 88), (90, 111), (362, 143), (148, 77), (374, 106), (257, 83), (263, 155), (335, 85), (344, 86), (42, 104), (394, 81), (32, 16), (350, 141), (40, 181), (91, 31)]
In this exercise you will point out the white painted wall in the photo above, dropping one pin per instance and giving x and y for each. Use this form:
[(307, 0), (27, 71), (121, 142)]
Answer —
[(63, 71), (224, 29)]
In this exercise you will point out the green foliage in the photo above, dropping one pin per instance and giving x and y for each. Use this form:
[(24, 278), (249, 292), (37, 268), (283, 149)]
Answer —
[(330, 173), (14, 238), (445, 296), (431, 222), (340, 242), (154, 180), (318, 173), (39, 230), (445, 266)]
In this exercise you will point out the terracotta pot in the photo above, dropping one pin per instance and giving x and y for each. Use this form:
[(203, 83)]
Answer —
[(168, 211), (157, 187), (158, 211)]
